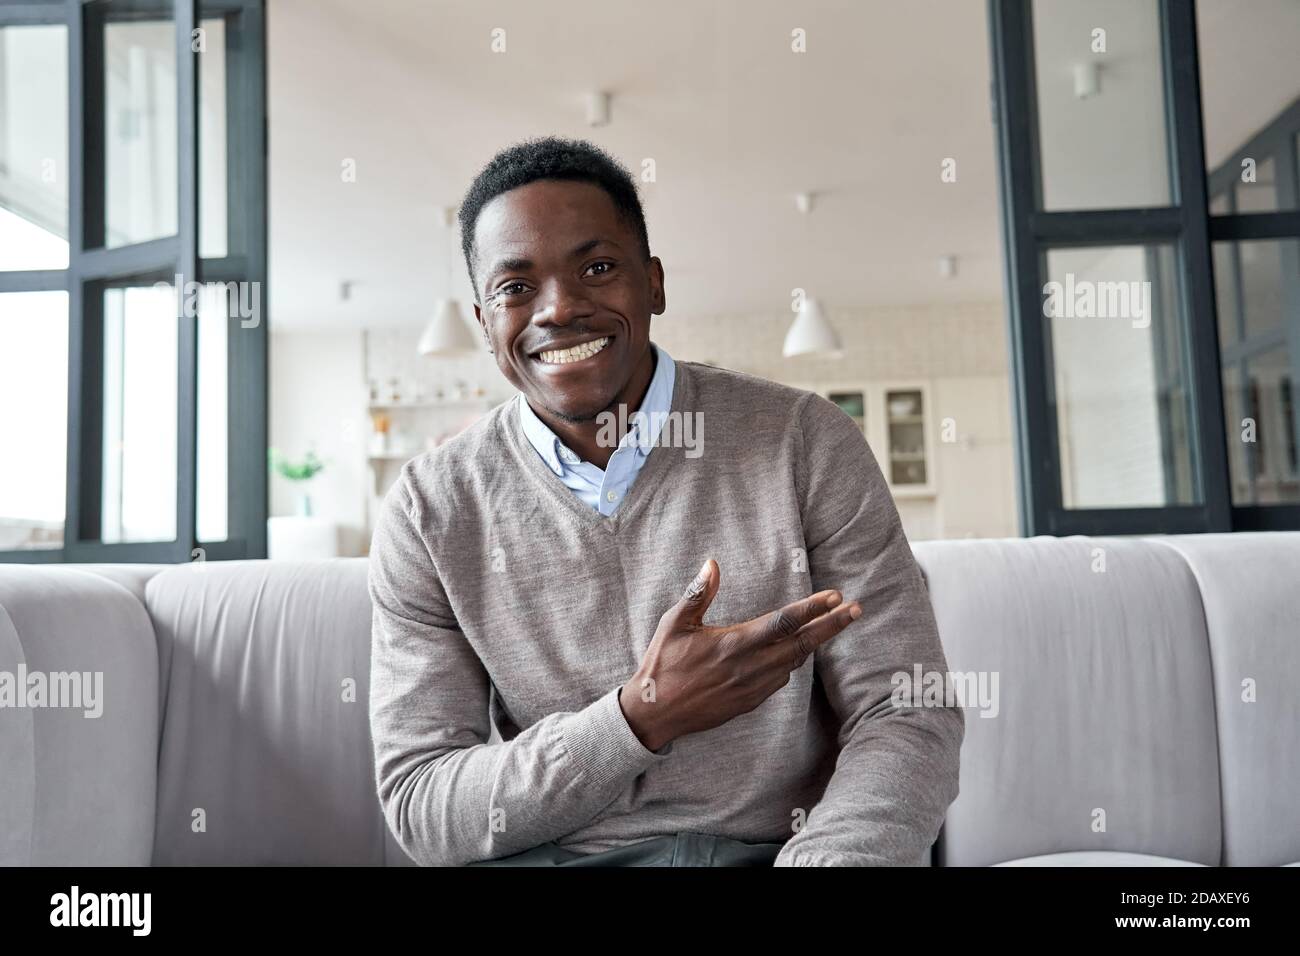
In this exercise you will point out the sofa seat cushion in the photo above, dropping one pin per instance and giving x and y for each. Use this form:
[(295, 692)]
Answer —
[(265, 756), (1250, 586), (77, 780), (1101, 731), (1098, 858)]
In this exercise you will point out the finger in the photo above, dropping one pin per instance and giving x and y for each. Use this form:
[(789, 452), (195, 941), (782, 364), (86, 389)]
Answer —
[(699, 594), (816, 633), (786, 621)]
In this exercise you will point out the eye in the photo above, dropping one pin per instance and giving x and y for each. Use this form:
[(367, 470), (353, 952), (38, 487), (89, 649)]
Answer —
[(511, 289), (604, 267)]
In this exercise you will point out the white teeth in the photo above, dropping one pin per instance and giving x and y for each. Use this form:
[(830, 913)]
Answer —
[(576, 354)]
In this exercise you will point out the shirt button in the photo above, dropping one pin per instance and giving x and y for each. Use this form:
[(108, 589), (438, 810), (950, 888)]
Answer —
[(611, 496), (568, 455)]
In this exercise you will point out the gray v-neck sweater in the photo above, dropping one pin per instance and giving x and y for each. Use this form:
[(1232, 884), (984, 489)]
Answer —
[(501, 599)]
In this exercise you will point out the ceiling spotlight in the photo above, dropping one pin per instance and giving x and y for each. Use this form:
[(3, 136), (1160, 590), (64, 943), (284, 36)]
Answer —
[(1087, 79), (598, 108)]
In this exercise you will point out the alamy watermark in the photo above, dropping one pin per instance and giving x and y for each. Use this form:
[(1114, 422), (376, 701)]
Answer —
[(977, 689), (132, 911), (75, 690), (668, 429), (1085, 299), (243, 300)]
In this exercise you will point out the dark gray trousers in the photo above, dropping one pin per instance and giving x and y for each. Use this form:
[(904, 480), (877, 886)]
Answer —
[(683, 849)]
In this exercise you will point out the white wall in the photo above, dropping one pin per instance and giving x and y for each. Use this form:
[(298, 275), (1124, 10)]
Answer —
[(318, 400), (959, 351)]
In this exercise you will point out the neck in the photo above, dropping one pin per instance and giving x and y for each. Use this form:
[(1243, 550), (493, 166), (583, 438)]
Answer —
[(582, 436)]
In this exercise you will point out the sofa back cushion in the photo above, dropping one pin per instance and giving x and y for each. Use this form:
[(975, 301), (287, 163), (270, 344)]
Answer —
[(1250, 586), (1104, 736), (78, 752), (265, 754)]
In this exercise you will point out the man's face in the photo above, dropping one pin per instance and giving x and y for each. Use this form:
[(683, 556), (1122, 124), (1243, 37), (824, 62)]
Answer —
[(558, 268)]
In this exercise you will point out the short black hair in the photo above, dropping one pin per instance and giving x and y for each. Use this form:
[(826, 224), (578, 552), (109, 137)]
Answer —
[(549, 157)]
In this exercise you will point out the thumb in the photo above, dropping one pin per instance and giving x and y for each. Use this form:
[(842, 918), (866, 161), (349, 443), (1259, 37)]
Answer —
[(699, 595)]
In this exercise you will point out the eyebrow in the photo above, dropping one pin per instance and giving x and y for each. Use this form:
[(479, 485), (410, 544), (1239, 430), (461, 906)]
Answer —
[(514, 263)]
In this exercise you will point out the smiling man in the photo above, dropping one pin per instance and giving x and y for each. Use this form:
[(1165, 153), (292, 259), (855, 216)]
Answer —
[(686, 653)]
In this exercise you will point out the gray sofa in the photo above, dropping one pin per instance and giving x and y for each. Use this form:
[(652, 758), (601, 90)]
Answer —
[(1147, 707)]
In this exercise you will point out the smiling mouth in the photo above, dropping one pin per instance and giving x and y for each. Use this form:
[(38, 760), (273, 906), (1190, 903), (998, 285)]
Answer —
[(578, 353)]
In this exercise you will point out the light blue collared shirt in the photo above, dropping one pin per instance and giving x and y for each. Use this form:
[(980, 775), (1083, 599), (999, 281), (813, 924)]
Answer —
[(605, 490)]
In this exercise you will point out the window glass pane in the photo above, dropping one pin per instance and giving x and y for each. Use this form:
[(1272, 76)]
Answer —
[(1121, 384), (1250, 78), (212, 139), (212, 474), (1263, 280), (33, 147), (33, 418), (1260, 372), (1259, 403), (141, 191), (1100, 88), (140, 375)]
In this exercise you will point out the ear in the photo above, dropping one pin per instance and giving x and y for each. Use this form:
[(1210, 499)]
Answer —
[(482, 324), (658, 297)]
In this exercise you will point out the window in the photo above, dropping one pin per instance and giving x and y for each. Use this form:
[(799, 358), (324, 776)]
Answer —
[(33, 147), (139, 407), (1137, 171), (1259, 291), (140, 138), (1099, 83), (132, 259), (34, 425), (1121, 403)]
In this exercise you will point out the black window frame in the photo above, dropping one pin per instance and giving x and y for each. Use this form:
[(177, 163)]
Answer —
[(92, 267), (1028, 231)]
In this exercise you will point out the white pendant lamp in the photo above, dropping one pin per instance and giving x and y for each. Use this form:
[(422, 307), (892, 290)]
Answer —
[(812, 333), (447, 333)]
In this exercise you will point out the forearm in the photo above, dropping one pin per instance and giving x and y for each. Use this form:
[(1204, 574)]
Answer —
[(886, 800), (454, 805)]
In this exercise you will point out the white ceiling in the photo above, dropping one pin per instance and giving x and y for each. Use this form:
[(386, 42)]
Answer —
[(1250, 68), (736, 123)]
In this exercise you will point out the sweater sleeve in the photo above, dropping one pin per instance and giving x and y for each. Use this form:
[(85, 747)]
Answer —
[(448, 795), (897, 768)]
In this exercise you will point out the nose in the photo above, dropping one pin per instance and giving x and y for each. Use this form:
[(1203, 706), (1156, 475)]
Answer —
[(560, 301)]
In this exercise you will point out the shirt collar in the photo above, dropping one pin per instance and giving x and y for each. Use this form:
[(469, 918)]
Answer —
[(657, 403)]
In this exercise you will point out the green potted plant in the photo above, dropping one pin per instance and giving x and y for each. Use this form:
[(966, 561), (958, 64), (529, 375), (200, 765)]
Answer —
[(298, 472)]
